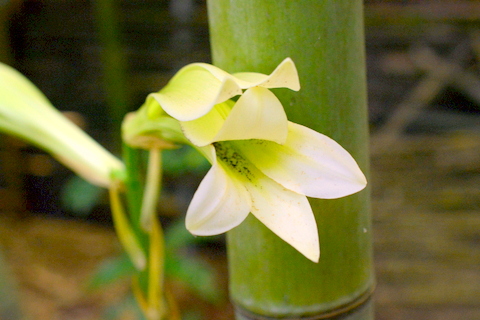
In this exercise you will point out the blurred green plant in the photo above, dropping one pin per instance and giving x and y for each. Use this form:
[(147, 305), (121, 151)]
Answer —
[(9, 303), (79, 196), (184, 160), (190, 269), (180, 264)]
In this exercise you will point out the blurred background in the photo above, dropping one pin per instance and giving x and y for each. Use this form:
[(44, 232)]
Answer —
[(99, 59)]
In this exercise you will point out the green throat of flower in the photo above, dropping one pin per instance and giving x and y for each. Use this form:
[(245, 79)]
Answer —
[(230, 156)]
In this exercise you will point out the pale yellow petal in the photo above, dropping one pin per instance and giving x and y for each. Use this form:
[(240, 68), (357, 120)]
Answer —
[(220, 203), (308, 163), (193, 92), (202, 131), (284, 76), (286, 213), (258, 114)]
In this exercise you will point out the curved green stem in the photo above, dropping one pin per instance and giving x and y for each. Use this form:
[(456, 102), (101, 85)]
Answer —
[(155, 299), (152, 189), (124, 231)]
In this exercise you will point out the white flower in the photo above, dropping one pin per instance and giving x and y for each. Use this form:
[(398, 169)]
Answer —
[(261, 162)]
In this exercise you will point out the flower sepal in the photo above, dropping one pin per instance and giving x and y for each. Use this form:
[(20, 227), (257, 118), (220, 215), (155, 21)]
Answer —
[(145, 130)]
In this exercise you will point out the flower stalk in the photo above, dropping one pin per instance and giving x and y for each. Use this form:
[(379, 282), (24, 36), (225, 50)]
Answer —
[(152, 189)]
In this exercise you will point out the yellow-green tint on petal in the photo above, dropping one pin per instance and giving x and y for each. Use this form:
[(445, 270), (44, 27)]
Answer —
[(25, 112), (258, 114), (288, 214), (309, 163), (215, 71), (193, 92), (234, 187), (150, 127), (151, 108), (202, 131), (284, 76)]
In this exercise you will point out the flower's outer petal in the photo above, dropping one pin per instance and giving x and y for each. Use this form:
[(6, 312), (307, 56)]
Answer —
[(194, 90), (203, 130), (309, 163), (284, 76), (215, 71), (220, 203), (258, 114), (286, 213), (139, 130)]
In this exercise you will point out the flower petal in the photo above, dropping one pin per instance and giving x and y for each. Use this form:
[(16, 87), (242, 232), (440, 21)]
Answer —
[(197, 87), (284, 76), (220, 203), (258, 114), (203, 130), (309, 163), (286, 213), (194, 90)]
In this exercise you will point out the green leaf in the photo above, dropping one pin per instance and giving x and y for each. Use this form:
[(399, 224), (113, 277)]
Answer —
[(197, 274), (111, 271), (194, 272), (183, 160), (79, 196)]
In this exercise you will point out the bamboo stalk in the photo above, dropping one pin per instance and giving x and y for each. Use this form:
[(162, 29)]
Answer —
[(269, 279)]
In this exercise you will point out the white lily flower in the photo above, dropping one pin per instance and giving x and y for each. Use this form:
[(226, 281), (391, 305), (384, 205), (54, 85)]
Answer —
[(26, 113), (261, 162), (197, 87)]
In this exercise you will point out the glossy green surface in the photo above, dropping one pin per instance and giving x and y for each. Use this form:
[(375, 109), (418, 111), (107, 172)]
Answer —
[(326, 41)]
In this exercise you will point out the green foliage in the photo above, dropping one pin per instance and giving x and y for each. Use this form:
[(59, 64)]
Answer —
[(115, 311), (79, 196), (192, 270), (195, 273), (183, 160), (111, 271)]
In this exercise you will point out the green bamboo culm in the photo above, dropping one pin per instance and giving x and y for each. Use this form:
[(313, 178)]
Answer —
[(325, 39)]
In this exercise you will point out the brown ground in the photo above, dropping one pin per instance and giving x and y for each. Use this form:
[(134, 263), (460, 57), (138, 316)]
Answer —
[(426, 201)]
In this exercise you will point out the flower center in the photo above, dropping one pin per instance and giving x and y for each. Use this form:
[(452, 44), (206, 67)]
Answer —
[(228, 154)]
